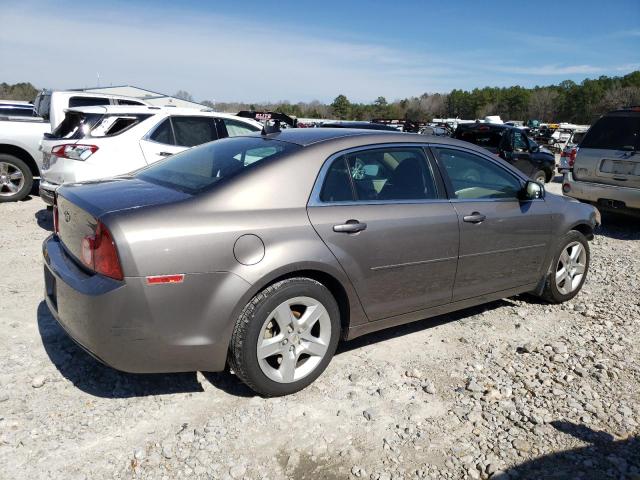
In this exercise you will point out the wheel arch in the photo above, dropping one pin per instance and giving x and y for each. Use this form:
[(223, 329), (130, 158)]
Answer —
[(23, 155), (329, 280), (585, 229)]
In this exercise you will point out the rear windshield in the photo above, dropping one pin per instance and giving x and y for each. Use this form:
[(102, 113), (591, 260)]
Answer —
[(76, 125), (614, 133), (201, 167)]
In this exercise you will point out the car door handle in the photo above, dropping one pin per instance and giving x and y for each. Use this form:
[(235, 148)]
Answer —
[(351, 226), (475, 217), (165, 154)]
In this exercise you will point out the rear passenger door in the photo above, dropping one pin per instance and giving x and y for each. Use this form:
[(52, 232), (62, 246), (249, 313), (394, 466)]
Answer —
[(382, 213)]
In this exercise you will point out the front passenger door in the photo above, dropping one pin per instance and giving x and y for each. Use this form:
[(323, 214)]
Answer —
[(503, 240)]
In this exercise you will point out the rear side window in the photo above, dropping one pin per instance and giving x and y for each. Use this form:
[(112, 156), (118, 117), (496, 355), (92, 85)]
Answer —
[(400, 173), (122, 101), (200, 168), (163, 133), (192, 131), (87, 101), (614, 133), (337, 184), (112, 125), (17, 111), (235, 128)]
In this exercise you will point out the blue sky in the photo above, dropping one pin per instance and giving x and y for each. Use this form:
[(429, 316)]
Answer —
[(298, 50)]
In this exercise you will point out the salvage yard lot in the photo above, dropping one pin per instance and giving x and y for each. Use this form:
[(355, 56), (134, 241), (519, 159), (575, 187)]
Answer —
[(515, 386)]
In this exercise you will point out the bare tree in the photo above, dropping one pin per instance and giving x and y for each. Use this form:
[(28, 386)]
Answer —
[(543, 104)]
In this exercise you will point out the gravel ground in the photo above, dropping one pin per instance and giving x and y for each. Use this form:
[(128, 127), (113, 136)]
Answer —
[(513, 389)]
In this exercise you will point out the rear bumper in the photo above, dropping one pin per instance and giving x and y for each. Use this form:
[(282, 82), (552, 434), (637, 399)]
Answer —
[(137, 328), (47, 191), (604, 195)]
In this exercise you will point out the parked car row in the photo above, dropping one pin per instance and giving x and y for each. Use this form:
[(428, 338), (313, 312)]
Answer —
[(20, 138)]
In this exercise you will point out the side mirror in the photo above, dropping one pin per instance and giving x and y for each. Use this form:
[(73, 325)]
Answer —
[(532, 191)]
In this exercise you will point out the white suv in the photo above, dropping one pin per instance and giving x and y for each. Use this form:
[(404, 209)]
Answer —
[(93, 143)]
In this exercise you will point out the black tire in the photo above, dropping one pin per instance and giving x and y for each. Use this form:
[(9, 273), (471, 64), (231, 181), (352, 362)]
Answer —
[(551, 292), (540, 176), (243, 356), (14, 163)]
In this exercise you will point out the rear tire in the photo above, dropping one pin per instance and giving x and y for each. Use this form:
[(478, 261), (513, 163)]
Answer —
[(285, 337), (570, 266), (16, 179)]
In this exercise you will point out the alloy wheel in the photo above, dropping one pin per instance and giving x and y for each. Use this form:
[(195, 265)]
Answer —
[(294, 339), (11, 179), (571, 267)]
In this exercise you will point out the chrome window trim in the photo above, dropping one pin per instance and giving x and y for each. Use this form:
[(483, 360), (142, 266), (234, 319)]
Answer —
[(314, 198)]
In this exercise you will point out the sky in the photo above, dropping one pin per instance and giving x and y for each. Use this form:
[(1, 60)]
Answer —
[(257, 51)]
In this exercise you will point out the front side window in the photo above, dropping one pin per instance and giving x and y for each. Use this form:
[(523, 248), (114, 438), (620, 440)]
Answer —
[(235, 128), (473, 177), (396, 173), (200, 168), (520, 143), (192, 131)]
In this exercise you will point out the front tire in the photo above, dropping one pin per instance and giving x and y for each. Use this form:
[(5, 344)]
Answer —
[(540, 176), (569, 270), (285, 337), (16, 179)]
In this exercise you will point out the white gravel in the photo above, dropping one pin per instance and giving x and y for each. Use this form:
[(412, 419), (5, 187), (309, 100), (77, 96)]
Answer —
[(513, 389)]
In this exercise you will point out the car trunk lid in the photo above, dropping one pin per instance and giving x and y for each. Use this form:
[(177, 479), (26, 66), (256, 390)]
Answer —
[(81, 206)]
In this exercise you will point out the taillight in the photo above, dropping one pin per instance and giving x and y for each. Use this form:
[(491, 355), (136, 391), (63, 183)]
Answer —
[(98, 252), (74, 151), (572, 156)]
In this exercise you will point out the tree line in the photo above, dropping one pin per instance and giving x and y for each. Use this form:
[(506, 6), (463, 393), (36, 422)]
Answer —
[(567, 101)]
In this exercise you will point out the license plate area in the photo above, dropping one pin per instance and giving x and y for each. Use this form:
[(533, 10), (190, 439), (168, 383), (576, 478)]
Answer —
[(620, 167), (50, 288)]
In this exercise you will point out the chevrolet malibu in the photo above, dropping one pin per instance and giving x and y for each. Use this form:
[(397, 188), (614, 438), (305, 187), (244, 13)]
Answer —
[(261, 252)]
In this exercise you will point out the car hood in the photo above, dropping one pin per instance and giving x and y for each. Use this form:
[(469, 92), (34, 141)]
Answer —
[(122, 193)]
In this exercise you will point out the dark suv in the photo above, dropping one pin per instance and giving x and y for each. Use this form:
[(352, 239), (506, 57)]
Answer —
[(511, 144)]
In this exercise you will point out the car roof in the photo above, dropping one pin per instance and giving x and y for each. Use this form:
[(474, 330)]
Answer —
[(311, 136), (141, 109)]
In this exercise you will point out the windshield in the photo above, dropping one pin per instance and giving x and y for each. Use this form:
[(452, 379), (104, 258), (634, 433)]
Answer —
[(199, 168)]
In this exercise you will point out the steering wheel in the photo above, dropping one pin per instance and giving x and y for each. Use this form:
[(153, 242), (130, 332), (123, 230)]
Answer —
[(357, 171)]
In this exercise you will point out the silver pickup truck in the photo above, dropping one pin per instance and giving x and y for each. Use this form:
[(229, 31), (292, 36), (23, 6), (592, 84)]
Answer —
[(606, 171), (20, 138)]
